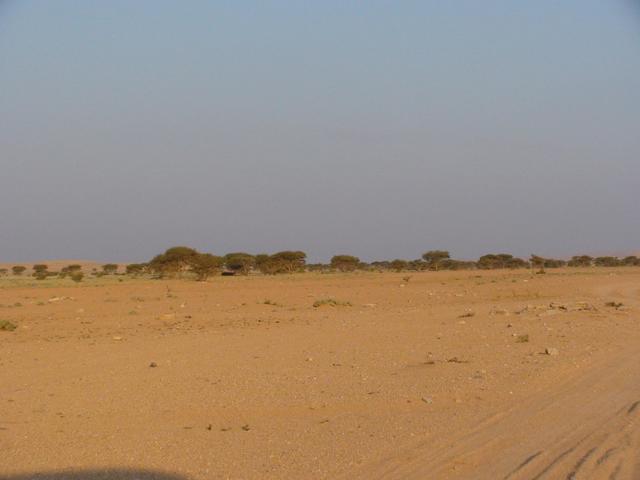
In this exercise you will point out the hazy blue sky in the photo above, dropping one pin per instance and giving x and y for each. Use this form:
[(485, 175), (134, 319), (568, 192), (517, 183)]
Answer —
[(379, 128)]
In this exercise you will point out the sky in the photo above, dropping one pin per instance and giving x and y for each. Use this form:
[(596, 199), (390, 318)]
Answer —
[(376, 128)]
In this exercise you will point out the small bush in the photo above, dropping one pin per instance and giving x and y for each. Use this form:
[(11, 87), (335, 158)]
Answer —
[(7, 326), (330, 302), (77, 276)]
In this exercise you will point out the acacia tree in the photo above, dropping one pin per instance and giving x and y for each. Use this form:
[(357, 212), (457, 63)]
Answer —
[(173, 262), (260, 259), (607, 262), (434, 258), (40, 271), (345, 263), (283, 262), (541, 262), (399, 265), (205, 265), (135, 268), (537, 262), (580, 261), (18, 270), (451, 264), (239, 262), (109, 268), (290, 261), (500, 260), (70, 270), (554, 263)]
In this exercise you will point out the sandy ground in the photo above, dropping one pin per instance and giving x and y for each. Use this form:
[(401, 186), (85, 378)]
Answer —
[(243, 378)]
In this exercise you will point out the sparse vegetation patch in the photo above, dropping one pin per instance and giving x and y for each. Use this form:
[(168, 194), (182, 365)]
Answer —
[(7, 326), (331, 302)]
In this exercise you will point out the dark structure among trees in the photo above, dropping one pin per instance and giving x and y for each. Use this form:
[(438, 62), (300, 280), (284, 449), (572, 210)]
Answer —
[(240, 262)]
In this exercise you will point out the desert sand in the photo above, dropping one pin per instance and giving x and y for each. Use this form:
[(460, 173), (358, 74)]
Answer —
[(446, 375)]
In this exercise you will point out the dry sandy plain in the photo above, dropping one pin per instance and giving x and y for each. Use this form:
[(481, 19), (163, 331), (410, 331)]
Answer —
[(185, 380)]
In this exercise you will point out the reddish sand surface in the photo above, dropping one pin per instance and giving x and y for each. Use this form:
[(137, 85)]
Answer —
[(442, 375)]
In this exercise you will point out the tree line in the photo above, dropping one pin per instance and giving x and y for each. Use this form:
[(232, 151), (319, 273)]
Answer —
[(188, 262)]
